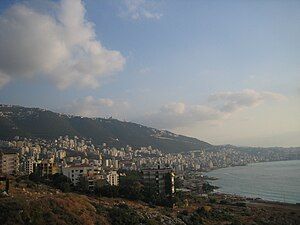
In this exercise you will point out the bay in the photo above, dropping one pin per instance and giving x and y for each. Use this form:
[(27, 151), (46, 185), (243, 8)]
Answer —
[(274, 181)]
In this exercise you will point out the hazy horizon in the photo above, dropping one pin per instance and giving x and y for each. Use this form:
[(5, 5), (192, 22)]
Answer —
[(223, 72)]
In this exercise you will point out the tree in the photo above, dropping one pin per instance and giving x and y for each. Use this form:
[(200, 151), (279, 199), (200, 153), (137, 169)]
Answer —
[(107, 190), (61, 182)]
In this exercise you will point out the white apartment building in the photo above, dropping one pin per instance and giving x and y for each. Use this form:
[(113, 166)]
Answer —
[(76, 171), (91, 173), (112, 178)]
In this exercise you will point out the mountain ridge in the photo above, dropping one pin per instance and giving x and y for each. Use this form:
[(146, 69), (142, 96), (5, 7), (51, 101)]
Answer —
[(41, 123)]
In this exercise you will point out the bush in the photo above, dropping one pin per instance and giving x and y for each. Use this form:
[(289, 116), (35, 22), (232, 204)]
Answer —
[(204, 211), (224, 202), (241, 204), (192, 219), (207, 187), (57, 180), (61, 182), (212, 200), (108, 191), (123, 215)]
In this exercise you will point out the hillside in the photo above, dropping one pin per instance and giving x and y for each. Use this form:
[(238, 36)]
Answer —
[(29, 203), (40, 123)]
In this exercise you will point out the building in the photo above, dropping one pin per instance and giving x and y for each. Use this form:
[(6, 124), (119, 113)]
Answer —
[(74, 172), (27, 166), (112, 178), (111, 164), (61, 154), (159, 179), (9, 163), (45, 168), (90, 176)]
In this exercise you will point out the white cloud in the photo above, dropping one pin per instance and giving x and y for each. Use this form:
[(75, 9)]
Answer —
[(176, 115), (60, 45), (140, 9), (233, 101), (106, 101), (174, 108), (96, 107), (219, 107)]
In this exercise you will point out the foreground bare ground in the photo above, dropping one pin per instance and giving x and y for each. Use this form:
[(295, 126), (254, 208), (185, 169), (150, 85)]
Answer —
[(44, 205)]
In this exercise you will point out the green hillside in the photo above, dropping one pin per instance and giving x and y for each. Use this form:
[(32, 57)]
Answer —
[(39, 123)]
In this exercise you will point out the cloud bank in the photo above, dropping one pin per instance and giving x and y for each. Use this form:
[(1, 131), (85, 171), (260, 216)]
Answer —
[(234, 101), (61, 45), (218, 107)]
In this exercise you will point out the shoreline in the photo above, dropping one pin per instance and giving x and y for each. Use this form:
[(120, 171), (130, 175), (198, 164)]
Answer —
[(247, 164), (255, 198), (252, 200)]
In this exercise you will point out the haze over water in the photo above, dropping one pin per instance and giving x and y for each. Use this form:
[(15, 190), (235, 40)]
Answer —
[(275, 181)]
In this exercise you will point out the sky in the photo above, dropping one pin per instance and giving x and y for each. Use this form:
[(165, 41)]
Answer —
[(226, 72)]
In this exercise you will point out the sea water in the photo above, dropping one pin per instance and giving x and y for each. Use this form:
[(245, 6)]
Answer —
[(274, 181)]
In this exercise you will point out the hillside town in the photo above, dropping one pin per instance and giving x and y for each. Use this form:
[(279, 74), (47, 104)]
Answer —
[(92, 165)]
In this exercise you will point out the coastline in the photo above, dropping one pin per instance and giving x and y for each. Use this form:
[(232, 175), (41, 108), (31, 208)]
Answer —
[(254, 197), (247, 164), (251, 199)]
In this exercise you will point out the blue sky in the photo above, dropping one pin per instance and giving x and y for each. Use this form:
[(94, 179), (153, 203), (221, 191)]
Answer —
[(222, 71)]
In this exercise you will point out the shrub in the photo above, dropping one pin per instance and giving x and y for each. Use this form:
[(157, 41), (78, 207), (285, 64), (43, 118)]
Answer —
[(212, 200), (123, 215)]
